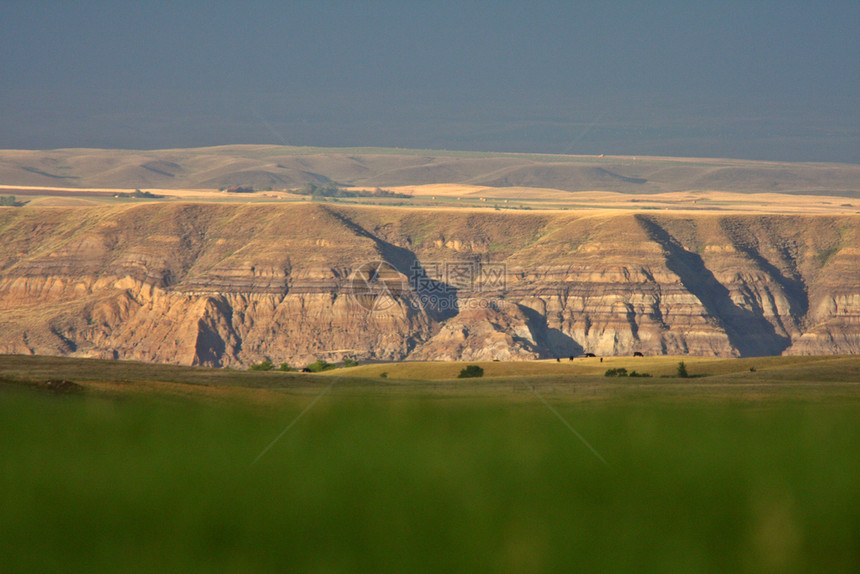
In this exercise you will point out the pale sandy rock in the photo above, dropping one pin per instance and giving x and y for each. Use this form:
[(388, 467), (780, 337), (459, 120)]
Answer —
[(229, 285)]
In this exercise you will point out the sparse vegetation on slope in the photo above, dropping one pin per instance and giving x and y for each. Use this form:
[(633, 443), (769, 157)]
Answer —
[(227, 285)]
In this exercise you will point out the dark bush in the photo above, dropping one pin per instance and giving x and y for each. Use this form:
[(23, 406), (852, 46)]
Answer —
[(620, 372), (471, 372), (319, 365)]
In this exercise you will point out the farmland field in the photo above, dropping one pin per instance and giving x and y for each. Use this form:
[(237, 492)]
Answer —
[(749, 465)]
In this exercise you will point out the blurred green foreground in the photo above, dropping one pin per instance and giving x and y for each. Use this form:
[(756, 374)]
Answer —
[(444, 484)]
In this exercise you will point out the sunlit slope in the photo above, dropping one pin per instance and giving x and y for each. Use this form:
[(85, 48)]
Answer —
[(222, 284)]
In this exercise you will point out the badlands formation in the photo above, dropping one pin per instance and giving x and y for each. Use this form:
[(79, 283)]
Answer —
[(472, 257), (230, 284)]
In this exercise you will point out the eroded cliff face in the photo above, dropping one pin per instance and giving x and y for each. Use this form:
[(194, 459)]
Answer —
[(228, 285)]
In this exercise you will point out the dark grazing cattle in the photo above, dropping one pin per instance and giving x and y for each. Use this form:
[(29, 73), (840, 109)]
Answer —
[(638, 354), (590, 355)]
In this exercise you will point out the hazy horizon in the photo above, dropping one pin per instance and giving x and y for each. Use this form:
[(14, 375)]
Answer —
[(755, 80)]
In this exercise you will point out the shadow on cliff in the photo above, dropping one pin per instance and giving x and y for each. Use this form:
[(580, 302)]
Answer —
[(437, 298), (750, 333), (792, 287), (216, 338), (552, 343)]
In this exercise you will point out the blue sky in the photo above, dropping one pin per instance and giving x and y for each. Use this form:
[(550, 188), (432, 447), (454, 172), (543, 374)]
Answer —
[(761, 80)]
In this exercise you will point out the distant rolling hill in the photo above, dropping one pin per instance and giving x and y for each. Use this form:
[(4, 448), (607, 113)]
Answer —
[(284, 167)]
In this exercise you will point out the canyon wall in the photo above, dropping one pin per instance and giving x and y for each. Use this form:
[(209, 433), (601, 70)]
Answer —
[(230, 285)]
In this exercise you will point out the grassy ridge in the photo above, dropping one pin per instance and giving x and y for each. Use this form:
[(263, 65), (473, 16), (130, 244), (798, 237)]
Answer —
[(841, 366), (448, 479)]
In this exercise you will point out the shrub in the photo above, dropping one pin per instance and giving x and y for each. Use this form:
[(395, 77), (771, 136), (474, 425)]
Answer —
[(384, 374), (350, 363), (620, 372), (285, 367), (635, 374), (319, 365), (471, 372), (682, 370), (263, 366)]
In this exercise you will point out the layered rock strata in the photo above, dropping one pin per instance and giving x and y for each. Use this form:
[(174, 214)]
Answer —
[(230, 285)]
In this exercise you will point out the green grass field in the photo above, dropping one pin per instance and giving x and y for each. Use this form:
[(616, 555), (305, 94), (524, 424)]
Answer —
[(153, 468)]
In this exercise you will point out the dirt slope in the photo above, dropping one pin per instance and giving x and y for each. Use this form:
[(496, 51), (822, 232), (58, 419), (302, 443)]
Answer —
[(221, 284)]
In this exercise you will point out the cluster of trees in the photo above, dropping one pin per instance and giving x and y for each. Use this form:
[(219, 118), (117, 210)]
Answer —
[(622, 372), (10, 201), (316, 367), (138, 194), (334, 190), (498, 207), (268, 365)]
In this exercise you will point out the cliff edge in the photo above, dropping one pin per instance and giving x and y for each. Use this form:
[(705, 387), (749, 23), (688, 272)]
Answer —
[(230, 285)]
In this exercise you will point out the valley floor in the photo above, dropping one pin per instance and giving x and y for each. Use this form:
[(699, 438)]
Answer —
[(537, 467), (466, 196)]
